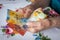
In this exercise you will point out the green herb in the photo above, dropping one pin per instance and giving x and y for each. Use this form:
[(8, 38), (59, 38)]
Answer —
[(12, 34), (3, 30), (40, 34), (42, 37), (45, 38)]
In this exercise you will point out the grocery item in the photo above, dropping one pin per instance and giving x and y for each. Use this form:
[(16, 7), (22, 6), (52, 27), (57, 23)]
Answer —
[(37, 15)]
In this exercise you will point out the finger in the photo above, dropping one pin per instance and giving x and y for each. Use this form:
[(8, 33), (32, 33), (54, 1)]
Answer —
[(34, 27), (31, 30), (20, 10), (27, 12)]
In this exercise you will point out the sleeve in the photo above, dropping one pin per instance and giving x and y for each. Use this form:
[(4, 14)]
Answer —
[(55, 4)]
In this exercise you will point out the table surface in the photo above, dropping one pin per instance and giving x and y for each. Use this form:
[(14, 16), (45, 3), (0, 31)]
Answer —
[(53, 33)]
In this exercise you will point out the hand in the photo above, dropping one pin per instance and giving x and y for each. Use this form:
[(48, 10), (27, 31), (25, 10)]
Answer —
[(38, 26), (25, 11)]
